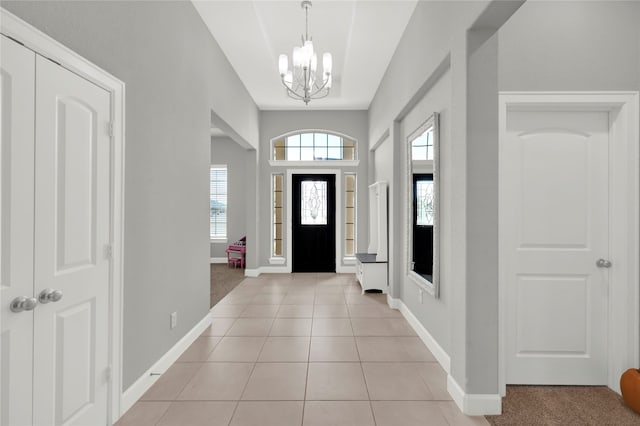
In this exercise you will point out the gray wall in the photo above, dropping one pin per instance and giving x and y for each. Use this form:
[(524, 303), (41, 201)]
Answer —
[(543, 46), (175, 74), (441, 38), (276, 123), (590, 45), (226, 151), (430, 311), (428, 39)]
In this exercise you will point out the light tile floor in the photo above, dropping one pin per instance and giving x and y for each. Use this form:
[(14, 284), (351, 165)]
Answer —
[(302, 349)]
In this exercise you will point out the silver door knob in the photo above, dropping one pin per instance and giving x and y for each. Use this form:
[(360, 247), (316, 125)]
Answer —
[(603, 263), (49, 295), (22, 303)]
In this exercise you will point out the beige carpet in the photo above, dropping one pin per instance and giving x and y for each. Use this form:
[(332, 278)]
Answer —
[(223, 280), (563, 405)]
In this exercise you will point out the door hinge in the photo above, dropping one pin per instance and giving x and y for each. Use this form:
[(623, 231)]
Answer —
[(107, 374), (108, 251), (110, 128)]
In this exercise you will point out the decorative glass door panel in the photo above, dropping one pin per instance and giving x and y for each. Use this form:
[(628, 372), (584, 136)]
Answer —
[(313, 206), (424, 202), (313, 223)]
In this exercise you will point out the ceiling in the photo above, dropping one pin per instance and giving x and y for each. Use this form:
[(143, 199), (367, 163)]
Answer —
[(360, 35)]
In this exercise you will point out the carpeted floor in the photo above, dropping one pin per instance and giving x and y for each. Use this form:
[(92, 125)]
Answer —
[(563, 405), (223, 280)]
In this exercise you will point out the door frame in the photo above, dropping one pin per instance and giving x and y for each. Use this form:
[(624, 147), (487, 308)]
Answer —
[(338, 213), (42, 44), (624, 166)]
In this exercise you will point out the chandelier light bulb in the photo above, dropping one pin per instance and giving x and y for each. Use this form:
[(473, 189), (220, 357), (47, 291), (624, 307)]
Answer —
[(307, 53), (283, 64), (327, 63), (314, 63), (297, 57)]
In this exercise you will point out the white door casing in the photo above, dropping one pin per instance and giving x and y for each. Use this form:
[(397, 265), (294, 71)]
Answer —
[(555, 228), (568, 183), (36, 41), (289, 211), (71, 234), (17, 75)]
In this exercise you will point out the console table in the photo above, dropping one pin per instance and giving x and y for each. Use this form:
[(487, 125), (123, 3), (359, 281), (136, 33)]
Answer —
[(371, 267)]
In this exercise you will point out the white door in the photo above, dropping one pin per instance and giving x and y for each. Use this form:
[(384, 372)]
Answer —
[(17, 74), (69, 261), (555, 210)]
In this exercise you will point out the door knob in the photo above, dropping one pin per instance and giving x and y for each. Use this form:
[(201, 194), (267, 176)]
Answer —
[(49, 295), (602, 263), (22, 303)]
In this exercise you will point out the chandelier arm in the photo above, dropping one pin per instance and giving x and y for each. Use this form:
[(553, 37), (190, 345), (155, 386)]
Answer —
[(302, 83), (292, 94), (318, 89)]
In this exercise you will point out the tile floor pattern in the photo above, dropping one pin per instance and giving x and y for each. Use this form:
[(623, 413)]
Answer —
[(302, 349)]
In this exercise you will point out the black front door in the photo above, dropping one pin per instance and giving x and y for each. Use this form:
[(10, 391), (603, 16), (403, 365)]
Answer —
[(423, 225), (314, 223)]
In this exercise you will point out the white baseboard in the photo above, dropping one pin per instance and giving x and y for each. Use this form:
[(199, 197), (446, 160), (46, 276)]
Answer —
[(438, 352), (285, 270), (252, 272), (273, 270), (144, 382), (218, 260), (474, 404), (393, 303)]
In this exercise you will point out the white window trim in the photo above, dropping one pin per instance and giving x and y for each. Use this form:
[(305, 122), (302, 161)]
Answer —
[(317, 163), (220, 239), (276, 260), (350, 260), (338, 208)]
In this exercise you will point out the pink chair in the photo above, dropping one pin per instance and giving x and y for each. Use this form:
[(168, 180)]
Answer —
[(236, 253)]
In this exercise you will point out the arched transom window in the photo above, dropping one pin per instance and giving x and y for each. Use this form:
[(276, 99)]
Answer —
[(314, 146)]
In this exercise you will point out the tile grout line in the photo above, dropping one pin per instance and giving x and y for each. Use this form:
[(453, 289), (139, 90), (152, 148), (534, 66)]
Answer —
[(364, 377)]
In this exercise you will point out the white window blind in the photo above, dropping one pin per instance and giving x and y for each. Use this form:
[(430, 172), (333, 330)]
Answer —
[(218, 202)]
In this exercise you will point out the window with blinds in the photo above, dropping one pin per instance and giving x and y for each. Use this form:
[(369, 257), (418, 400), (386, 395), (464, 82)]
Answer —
[(218, 202)]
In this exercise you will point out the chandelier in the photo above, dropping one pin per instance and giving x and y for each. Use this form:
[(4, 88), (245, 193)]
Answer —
[(302, 81)]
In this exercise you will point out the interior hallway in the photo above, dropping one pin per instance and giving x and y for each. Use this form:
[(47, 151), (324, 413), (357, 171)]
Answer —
[(302, 349), (223, 279)]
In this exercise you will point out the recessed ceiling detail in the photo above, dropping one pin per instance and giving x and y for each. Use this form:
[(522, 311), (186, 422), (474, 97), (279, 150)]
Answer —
[(361, 36)]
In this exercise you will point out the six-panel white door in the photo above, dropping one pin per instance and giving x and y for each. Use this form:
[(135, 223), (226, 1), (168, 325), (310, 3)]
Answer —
[(17, 76), (68, 184), (554, 209)]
